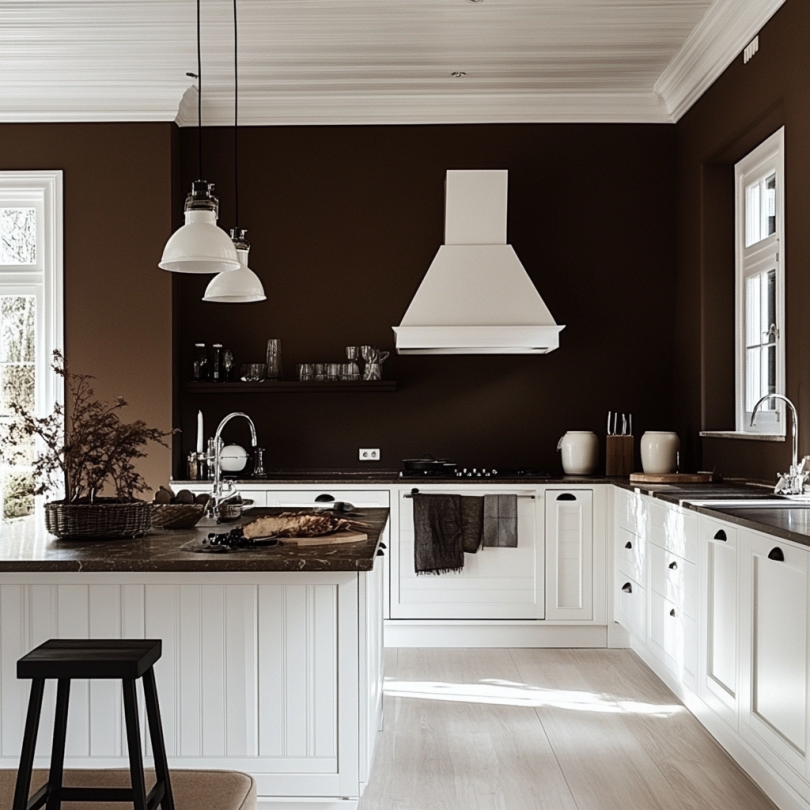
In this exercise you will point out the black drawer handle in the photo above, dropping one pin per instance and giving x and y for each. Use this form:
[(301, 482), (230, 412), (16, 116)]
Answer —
[(325, 498), (672, 612), (566, 496), (628, 544), (382, 545), (627, 587), (721, 535), (673, 566), (776, 554), (380, 552)]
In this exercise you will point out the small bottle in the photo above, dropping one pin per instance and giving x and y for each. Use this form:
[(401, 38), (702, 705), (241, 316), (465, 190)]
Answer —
[(210, 458), (200, 370), (228, 373), (216, 366), (193, 466)]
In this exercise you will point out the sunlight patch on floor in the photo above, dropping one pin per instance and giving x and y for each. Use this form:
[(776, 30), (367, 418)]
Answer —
[(510, 693)]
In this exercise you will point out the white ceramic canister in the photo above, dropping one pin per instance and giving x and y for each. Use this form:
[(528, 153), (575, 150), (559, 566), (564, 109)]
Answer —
[(580, 452), (659, 452)]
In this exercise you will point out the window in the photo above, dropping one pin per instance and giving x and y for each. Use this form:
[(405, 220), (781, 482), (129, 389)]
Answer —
[(30, 312), (760, 297)]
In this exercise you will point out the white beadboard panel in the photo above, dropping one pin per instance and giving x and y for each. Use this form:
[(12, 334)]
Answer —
[(13, 644), (161, 620), (212, 666), (73, 621), (270, 642), (190, 696), (241, 732), (296, 683), (323, 672), (106, 702)]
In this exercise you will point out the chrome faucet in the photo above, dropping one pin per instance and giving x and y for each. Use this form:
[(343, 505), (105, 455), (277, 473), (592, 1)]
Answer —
[(222, 492), (790, 483)]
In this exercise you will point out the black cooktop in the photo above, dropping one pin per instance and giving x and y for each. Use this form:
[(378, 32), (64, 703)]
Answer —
[(489, 473)]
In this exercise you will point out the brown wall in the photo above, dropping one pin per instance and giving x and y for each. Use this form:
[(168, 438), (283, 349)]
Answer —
[(746, 105), (344, 222), (118, 215)]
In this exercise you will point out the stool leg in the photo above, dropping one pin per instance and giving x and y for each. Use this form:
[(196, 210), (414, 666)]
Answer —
[(58, 749), (134, 745), (156, 735), (29, 744)]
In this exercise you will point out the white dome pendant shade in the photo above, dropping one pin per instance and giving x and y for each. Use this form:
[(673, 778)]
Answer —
[(240, 286), (200, 246)]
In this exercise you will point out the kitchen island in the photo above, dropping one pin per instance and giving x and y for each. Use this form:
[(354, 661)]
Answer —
[(272, 659)]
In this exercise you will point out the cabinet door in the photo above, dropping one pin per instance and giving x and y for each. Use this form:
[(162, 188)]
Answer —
[(569, 554), (774, 610), (495, 583), (719, 597), (629, 602)]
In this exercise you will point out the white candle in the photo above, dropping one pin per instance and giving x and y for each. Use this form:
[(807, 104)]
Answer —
[(200, 440)]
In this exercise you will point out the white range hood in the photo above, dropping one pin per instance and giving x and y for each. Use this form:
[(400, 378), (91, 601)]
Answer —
[(476, 297)]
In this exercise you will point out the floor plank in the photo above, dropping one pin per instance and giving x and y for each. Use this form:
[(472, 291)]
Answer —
[(541, 729)]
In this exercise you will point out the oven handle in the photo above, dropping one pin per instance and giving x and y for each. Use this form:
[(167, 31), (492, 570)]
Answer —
[(415, 491)]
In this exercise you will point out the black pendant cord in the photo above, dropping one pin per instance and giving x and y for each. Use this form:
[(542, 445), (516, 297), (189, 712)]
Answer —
[(199, 94), (235, 114)]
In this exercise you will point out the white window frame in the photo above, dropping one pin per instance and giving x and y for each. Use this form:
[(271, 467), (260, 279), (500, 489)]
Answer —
[(43, 191), (767, 158)]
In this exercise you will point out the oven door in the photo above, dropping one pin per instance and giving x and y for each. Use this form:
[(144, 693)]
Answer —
[(496, 583)]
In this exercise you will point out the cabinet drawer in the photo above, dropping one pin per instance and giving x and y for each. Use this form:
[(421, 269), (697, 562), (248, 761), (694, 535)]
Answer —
[(631, 511), (674, 529), (629, 605), (308, 497), (674, 578), (630, 554), (673, 637)]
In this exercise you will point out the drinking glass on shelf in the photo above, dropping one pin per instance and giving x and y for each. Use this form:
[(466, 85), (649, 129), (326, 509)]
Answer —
[(274, 371), (320, 372), (254, 372), (306, 371), (353, 352), (333, 371), (347, 371)]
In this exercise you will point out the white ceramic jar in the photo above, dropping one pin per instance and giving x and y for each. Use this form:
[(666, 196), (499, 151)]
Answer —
[(659, 452), (580, 452)]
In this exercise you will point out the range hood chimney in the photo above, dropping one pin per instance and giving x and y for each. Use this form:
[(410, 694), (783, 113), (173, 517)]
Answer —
[(476, 297)]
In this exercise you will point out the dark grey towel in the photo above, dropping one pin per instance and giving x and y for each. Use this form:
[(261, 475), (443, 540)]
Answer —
[(438, 545), (500, 521), (472, 522)]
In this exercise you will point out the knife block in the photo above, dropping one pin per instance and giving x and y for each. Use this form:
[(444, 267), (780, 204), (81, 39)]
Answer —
[(620, 456)]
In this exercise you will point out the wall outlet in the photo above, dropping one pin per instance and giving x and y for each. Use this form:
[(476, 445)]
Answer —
[(369, 454)]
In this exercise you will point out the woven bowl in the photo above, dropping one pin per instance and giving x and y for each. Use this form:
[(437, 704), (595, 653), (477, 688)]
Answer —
[(104, 518), (176, 515)]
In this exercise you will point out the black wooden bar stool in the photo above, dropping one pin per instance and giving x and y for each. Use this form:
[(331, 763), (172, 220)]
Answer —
[(64, 659)]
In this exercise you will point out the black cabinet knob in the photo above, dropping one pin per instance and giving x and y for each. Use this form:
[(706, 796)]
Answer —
[(777, 554), (721, 535), (382, 545), (566, 496), (672, 612), (628, 544), (380, 552), (325, 498), (673, 565), (627, 587)]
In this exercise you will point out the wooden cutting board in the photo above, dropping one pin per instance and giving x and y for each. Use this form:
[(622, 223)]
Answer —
[(328, 540), (671, 478)]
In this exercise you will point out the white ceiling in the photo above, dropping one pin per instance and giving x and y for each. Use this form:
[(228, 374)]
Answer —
[(369, 61)]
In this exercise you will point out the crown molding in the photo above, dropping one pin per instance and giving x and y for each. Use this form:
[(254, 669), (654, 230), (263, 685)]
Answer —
[(726, 28), (303, 109)]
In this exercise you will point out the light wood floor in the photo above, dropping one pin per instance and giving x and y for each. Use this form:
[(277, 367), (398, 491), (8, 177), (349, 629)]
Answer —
[(519, 729)]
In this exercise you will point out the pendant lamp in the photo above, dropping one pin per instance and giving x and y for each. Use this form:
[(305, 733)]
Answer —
[(200, 246), (241, 286)]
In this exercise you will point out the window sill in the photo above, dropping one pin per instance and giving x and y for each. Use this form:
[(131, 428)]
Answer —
[(738, 434)]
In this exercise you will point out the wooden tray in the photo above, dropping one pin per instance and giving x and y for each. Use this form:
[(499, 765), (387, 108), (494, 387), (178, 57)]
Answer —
[(328, 540), (671, 478)]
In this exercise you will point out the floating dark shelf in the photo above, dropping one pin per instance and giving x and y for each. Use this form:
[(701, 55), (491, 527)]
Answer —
[(294, 387)]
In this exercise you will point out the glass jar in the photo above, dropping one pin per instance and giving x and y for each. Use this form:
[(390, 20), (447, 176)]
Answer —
[(200, 371)]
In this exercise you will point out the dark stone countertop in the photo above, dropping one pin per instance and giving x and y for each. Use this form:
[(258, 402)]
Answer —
[(25, 546), (787, 523), (358, 478)]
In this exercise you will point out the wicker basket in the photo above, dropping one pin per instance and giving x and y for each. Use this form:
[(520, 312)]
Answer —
[(176, 515), (106, 517)]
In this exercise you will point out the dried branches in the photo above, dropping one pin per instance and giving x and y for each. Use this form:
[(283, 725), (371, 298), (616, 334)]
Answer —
[(89, 448)]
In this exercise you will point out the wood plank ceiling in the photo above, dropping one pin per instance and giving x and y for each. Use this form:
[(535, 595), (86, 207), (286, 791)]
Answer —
[(368, 61)]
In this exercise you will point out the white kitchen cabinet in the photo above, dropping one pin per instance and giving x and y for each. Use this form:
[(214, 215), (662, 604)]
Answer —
[(774, 647), (630, 605), (275, 674), (719, 611), (495, 583), (569, 555)]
